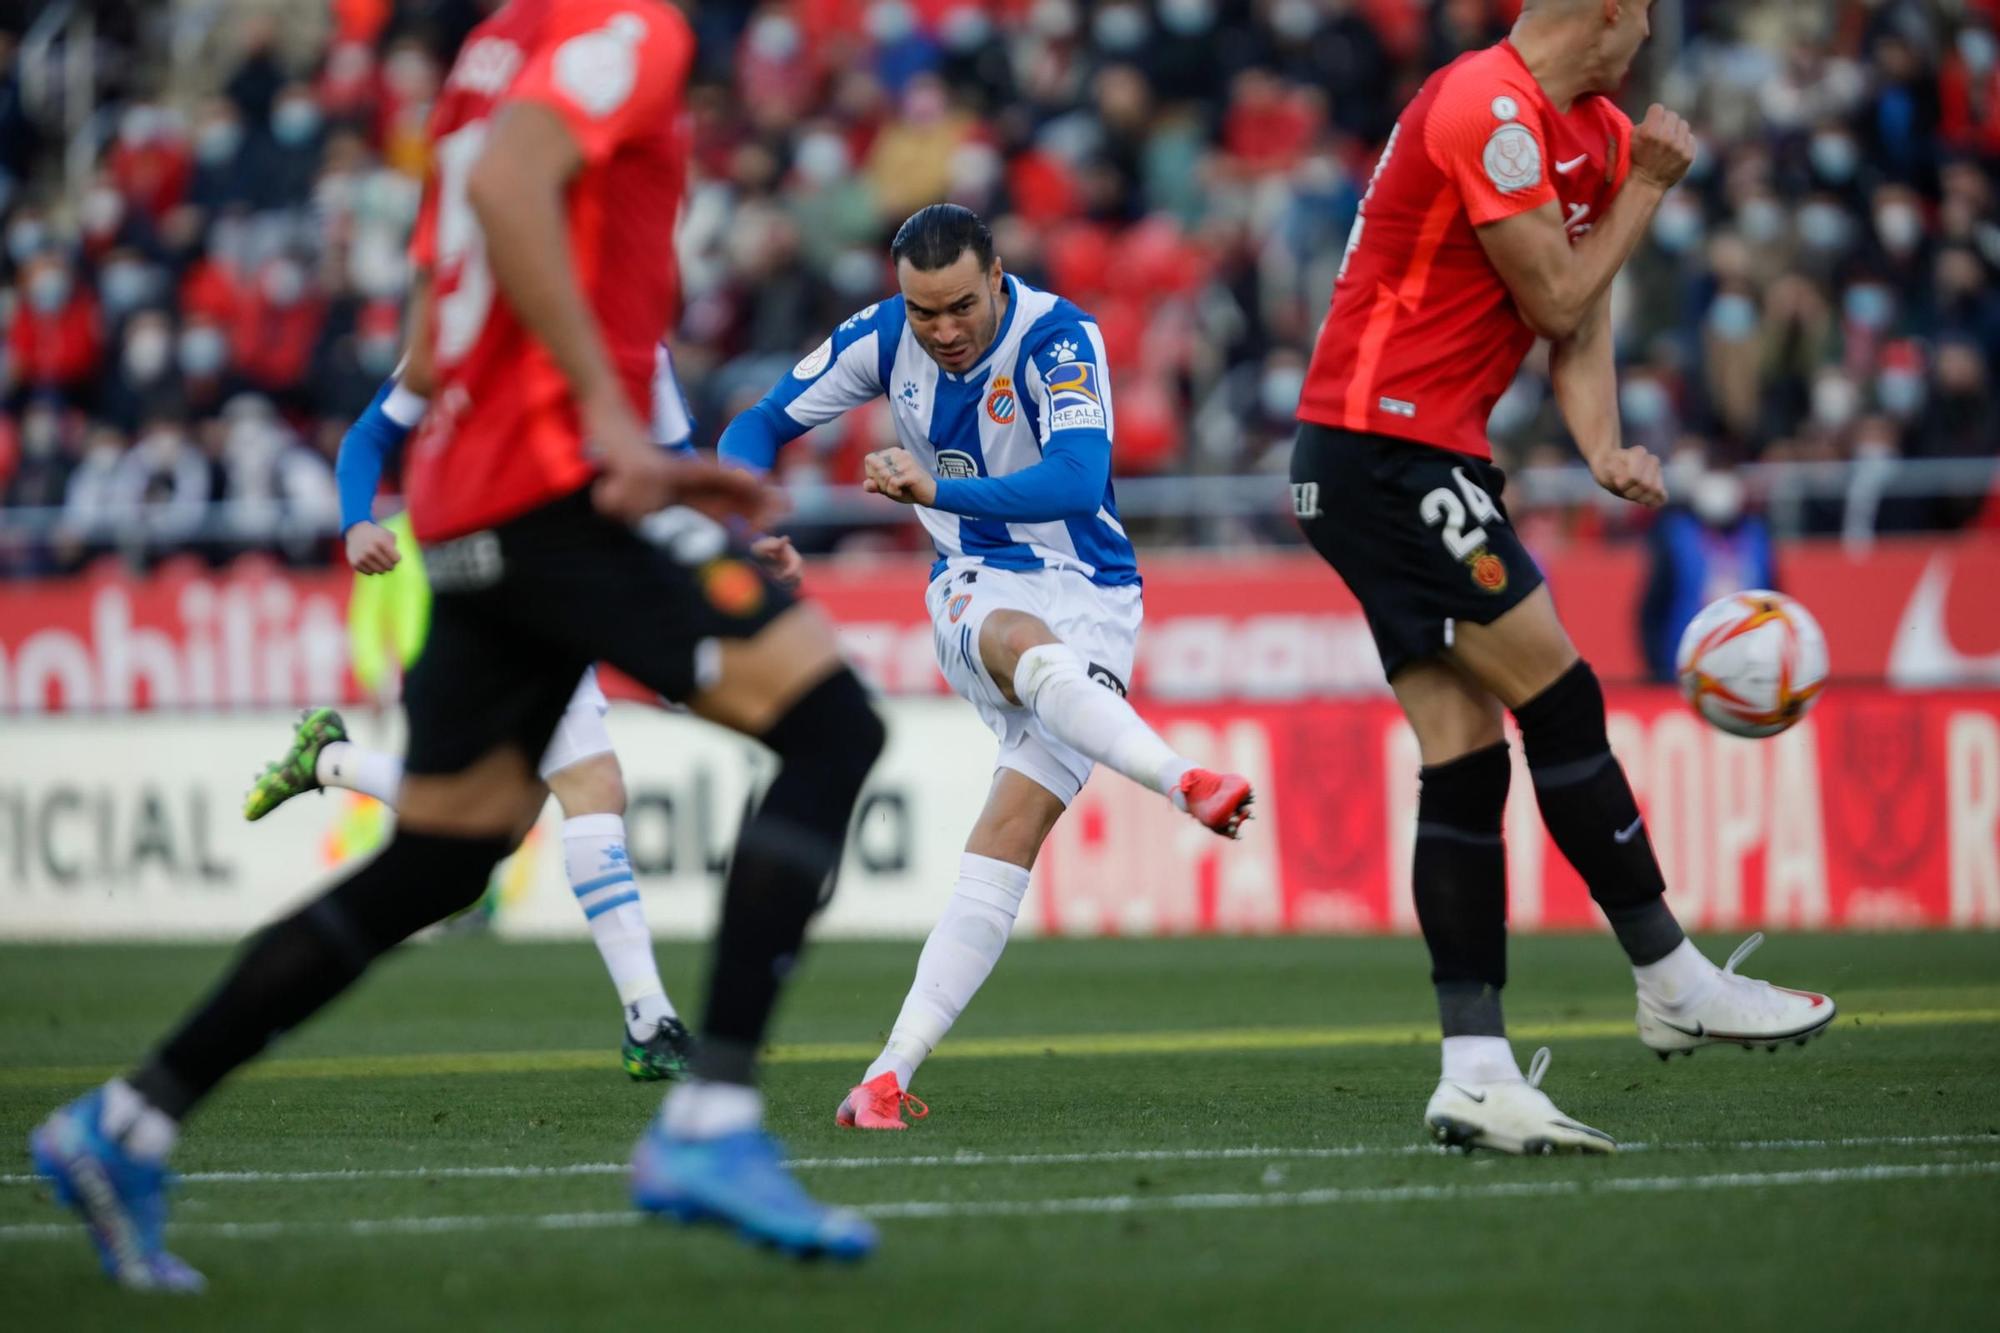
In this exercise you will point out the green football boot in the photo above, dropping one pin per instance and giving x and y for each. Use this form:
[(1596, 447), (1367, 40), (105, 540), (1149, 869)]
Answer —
[(664, 1055), (297, 771)]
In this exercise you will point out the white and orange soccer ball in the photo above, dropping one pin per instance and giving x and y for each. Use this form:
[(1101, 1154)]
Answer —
[(1752, 662)]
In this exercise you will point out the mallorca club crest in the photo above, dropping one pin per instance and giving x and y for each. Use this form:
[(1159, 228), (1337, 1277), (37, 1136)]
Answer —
[(1489, 571), (1000, 401)]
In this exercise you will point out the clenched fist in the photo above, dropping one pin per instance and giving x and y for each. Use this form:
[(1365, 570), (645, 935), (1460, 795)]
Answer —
[(1631, 474), (371, 548), (1662, 147)]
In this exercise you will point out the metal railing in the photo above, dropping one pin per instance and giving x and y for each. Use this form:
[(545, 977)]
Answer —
[(1782, 490)]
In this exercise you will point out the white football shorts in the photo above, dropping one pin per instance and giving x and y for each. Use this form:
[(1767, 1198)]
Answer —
[(1101, 624), (581, 733)]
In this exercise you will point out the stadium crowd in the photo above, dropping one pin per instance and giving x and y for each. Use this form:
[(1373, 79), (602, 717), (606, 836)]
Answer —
[(201, 319)]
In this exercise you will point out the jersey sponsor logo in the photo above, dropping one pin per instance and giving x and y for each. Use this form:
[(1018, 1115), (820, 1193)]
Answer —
[(1397, 407), (1305, 499), (1513, 159), (1108, 678), (956, 464), (1000, 402), (1564, 168), (464, 564), (1489, 571), (598, 70), (487, 67), (732, 587), (1505, 107), (814, 361), (1075, 402), (956, 606)]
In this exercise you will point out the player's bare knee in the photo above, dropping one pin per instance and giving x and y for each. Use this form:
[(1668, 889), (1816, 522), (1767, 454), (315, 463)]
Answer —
[(593, 786), (1004, 639)]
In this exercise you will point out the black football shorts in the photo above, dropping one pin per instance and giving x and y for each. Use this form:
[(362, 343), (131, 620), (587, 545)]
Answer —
[(520, 609), (1418, 533)]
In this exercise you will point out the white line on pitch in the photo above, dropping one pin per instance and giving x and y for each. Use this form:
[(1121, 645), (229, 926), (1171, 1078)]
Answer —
[(1110, 1156), (1876, 1173)]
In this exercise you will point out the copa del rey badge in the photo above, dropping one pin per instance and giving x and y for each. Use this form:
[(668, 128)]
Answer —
[(1513, 158)]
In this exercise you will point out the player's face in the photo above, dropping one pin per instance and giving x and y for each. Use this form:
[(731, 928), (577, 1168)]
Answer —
[(954, 310), (1622, 41)]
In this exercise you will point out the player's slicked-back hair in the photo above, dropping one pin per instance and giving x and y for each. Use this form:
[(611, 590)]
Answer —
[(933, 238)]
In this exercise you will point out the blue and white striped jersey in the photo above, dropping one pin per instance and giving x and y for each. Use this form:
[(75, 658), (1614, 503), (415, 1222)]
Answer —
[(1020, 443)]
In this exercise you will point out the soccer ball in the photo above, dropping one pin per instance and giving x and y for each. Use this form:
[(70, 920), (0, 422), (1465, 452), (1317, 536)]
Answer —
[(1752, 662)]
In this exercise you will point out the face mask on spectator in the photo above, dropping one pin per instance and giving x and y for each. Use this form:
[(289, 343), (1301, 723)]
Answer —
[(146, 353), (294, 122), (138, 126), (25, 240), (124, 284), (48, 290), (102, 210), (1977, 48), (202, 351), (966, 30), (1119, 28), (1834, 400), (1732, 317), (1834, 156), (1868, 304), (1900, 392), (822, 158), (284, 283), (1295, 20), (1717, 498), (217, 143), (41, 432), (1823, 227), (1278, 391), (775, 37), (1760, 220), (1644, 403), (407, 71), (1677, 227), (1900, 226), (1189, 18), (377, 355), (889, 21), (1053, 19)]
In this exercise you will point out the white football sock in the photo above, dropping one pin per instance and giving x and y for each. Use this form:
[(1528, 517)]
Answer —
[(140, 1127), (371, 772), (1479, 1060), (600, 874), (957, 959), (699, 1109), (1677, 978), (1052, 682)]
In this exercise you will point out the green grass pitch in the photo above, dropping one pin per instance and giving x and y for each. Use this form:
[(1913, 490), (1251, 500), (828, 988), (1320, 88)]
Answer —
[(1125, 1135)]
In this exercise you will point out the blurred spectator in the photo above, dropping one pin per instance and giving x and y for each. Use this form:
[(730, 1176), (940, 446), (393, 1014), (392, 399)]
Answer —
[(1701, 548), (277, 327), (41, 472), (162, 482), (143, 382), (280, 489), (150, 164), (55, 342)]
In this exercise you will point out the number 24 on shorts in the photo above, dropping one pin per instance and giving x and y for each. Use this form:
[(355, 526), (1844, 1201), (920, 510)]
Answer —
[(1441, 506)]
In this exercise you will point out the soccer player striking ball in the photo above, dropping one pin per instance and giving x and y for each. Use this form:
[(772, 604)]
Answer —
[(1002, 402), (579, 768), (1507, 198), (554, 282)]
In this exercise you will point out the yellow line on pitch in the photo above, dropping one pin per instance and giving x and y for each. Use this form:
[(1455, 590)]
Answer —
[(969, 1048)]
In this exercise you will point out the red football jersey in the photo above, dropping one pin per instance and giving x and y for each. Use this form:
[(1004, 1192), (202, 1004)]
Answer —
[(502, 435), (1423, 337)]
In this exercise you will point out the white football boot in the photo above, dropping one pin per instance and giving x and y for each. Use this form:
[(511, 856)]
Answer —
[(1736, 1011), (1509, 1115)]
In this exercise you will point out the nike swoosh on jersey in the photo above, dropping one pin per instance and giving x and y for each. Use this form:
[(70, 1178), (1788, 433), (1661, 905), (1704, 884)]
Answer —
[(1630, 831), (1564, 168)]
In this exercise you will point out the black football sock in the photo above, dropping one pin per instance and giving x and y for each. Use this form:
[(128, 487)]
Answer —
[(295, 966), (1591, 814), (785, 860), (1459, 875)]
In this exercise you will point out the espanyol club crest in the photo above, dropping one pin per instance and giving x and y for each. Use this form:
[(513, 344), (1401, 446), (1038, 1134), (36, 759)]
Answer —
[(1000, 402), (956, 464), (956, 607)]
